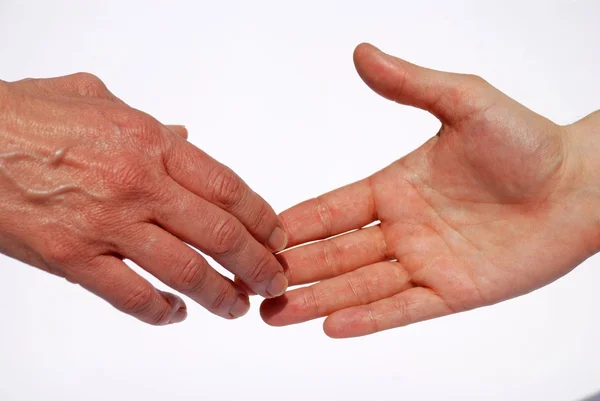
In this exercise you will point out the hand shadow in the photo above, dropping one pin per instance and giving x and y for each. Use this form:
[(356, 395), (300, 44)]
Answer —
[(595, 397)]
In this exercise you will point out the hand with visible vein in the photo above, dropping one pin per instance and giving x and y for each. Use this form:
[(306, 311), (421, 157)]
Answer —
[(87, 181)]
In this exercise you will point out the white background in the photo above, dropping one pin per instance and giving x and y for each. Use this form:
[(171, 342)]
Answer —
[(268, 87)]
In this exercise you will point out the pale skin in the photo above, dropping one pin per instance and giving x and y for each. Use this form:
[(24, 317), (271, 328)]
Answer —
[(500, 202), (87, 181)]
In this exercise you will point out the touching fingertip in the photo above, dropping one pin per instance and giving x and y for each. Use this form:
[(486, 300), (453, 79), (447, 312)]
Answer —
[(240, 307), (270, 311), (277, 286), (277, 240)]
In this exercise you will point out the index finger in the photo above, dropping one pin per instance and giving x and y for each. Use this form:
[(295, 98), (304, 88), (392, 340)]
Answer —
[(344, 209), (220, 235), (199, 173)]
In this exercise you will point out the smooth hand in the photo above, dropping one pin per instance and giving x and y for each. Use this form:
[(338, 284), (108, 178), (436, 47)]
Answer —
[(500, 202), (87, 181)]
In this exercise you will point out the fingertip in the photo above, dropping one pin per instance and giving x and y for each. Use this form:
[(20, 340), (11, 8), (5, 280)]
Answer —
[(364, 49), (379, 70), (344, 324), (173, 300), (270, 311), (240, 307), (366, 56), (178, 307), (277, 286), (332, 329), (179, 316), (278, 240)]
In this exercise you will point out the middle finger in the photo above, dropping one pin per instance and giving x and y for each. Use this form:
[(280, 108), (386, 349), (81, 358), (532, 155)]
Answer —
[(223, 237)]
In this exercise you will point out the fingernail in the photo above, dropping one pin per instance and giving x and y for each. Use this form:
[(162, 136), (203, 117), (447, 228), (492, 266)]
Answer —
[(240, 307), (177, 126), (179, 316), (180, 130), (278, 285), (278, 240)]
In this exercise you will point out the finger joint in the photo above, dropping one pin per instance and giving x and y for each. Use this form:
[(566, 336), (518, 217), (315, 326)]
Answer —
[(225, 187), (227, 236), (192, 277)]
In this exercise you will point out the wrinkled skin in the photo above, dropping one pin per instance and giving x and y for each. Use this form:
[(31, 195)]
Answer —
[(86, 181), (499, 203)]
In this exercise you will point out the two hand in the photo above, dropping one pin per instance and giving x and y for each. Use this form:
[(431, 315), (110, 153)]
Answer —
[(86, 181), (499, 203)]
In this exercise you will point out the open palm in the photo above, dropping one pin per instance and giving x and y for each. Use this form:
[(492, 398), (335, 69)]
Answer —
[(482, 212)]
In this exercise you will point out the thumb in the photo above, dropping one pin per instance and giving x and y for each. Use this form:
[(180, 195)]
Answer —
[(450, 97)]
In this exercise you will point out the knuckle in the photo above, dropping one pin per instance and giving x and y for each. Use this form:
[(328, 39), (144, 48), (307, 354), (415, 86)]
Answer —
[(89, 85), (60, 253), (398, 91), (28, 80), (192, 277), (310, 302), (325, 215), (225, 187), (474, 80), (139, 301), (226, 235), (222, 301), (112, 225), (460, 93), (261, 270), (138, 128), (465, 94), (357, 285), (376, 326), (25, 83), (331, 257), (141, 124), (262, 217), (126, 176), (402, 310)]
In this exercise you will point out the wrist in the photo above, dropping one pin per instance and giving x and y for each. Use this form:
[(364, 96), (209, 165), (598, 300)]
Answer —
[(584, 177)]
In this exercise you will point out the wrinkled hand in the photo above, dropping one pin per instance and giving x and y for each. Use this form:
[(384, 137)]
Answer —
[(497, 204), (87, 181)]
